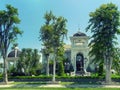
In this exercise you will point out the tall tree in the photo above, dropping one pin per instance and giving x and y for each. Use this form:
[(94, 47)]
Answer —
[(104, 23), (53, 34), (8, 32), (45, 37)]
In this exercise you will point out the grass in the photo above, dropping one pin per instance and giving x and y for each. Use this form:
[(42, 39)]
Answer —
[(59, 88), (36, 86)]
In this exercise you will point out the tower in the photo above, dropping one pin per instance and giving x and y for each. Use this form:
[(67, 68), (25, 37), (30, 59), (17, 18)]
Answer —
[(79, 52)]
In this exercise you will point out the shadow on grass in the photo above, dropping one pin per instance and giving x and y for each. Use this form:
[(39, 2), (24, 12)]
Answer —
[(27, 84), (81, 84), (49, 84), (89, 84)]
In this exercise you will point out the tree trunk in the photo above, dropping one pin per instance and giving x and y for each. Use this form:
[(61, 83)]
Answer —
[(54, 66), (5, 76), (47, 68), (108, 70)]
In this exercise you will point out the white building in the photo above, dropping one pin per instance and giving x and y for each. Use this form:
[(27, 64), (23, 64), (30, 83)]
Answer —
[(77, 54), (13, 57)]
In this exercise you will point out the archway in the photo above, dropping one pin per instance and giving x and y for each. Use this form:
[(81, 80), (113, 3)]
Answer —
[(79, 62)]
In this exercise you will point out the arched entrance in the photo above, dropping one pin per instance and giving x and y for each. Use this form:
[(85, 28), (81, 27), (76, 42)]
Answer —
[(79, 62)]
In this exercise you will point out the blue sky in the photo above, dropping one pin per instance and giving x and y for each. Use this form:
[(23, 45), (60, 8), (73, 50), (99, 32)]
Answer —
[(31, 13)]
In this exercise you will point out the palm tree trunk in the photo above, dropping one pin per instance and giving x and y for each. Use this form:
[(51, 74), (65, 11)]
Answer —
[(5, 76)]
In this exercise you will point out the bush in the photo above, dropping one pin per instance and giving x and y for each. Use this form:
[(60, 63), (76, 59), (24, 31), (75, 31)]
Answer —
[(60, 69), (1, 74), (62, 77), (17, 74), (30, 77), (115, 77), (57, 77)]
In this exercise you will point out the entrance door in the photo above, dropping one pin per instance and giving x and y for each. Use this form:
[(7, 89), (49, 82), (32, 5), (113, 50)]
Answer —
[(79, 62)]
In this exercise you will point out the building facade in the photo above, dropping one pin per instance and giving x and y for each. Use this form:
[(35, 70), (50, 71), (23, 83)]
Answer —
[(13, 57), (77, 54)]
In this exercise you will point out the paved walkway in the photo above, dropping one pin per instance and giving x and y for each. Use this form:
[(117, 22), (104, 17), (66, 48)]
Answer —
[(60, 86)]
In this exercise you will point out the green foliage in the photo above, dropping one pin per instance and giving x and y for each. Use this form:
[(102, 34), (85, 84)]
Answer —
[(100, 70), (28, 61), (1, 74), (60, 59), (68, 88), (53, 31), (116, 77), (8, 32), (60, 53), (59, 77), (12, 68), (1, 65), (52, 34), (60, 69), (30, 77), (104, 24)]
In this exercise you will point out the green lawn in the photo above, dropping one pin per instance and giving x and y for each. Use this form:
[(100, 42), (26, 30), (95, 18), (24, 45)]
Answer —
[(37, 86), (59, 88)]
